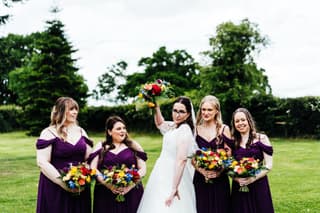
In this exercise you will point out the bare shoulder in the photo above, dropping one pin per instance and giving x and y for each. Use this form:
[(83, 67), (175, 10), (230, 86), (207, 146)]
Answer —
[(264, 139), (225, 130), (136, 146), (48, 133), (84, 133), (97, 146)]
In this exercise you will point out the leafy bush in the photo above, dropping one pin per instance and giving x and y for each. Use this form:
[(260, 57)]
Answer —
[(10, 118)]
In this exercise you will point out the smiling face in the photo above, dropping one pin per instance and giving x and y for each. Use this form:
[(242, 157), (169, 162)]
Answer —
[(179, 113), (241, 123), (71, 115), (118, 132)]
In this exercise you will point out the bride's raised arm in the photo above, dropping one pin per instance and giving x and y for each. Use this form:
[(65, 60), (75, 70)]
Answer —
[(158, 118)]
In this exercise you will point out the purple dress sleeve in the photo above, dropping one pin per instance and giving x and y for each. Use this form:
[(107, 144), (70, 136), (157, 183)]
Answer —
[(41, 143), (88, 141), (93, 155), (228, 141), (142, 155), (265, 148)]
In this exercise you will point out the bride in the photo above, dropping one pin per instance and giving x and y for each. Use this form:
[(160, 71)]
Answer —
[(170, 187)]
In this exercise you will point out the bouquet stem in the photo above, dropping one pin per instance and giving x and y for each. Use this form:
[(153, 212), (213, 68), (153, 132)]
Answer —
[(120, 198), (244, 188)]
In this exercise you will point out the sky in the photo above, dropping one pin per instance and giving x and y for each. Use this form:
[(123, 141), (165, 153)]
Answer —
[(107, 31)]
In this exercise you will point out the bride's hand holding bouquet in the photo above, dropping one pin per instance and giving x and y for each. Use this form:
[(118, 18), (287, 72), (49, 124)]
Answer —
[(151, 94)]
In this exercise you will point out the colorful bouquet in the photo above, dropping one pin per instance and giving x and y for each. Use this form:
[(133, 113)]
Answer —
[(149, 93), (121, 176), (246, 167), (77, 177), (211, 160)]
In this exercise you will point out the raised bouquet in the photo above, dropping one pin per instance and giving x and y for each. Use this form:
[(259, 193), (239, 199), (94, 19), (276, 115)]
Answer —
[(150, 93), (245, 167), (77, 176), (214, 160), (121, 176)]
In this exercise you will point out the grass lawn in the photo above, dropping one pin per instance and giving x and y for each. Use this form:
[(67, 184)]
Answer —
[(294, 179)]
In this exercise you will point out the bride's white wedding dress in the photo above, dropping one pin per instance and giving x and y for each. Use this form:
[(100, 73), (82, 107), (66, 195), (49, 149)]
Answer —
[(160, 182)]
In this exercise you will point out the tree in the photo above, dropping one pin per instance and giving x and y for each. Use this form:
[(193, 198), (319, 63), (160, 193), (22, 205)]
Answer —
[(177, 67), (7, 3), (233, 75), (15, 51), (51, 73), (109, 82)]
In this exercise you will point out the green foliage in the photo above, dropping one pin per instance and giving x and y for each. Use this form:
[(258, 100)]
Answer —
[(302, 116), (49, 74), (9, 118), (108, 82), (233, 76), (177, 67), (15, 51)]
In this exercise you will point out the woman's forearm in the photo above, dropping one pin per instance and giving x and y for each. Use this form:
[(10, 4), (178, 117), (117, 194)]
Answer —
[(179, 168), (158, 118)]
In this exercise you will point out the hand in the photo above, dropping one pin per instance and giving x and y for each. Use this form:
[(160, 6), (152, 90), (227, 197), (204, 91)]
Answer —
[(169, 200), (74, 190), (115, 190), (245, 181), (125, 190), (213, 174)]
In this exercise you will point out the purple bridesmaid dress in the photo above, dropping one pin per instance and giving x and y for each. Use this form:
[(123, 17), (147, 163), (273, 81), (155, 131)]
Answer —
[(258, 199), (51, 197), (104, 200), (213, 197)]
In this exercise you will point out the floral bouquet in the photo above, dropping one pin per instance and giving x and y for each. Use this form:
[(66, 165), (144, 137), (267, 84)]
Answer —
[(79, 176), (211, 160), (246, 167), (149, 93), (121, 176)]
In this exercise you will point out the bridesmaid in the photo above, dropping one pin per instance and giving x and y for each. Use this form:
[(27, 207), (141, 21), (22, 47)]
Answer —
[(213, 196), (117, 149), (60, 144), (249, 143)]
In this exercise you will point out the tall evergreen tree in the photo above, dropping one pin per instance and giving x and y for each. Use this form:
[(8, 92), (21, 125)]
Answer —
[(51, 73)]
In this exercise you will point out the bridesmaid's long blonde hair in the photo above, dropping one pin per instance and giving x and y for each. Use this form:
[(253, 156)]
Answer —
[(216, 104), (58, 114)]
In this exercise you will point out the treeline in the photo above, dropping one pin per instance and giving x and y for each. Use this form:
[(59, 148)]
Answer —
[(38, 68), (291, 117)]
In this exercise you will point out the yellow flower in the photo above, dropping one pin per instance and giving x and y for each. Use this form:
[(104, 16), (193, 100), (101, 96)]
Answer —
[(73, 170), (140, 95), (151, 105), (93, 172), (121, 174), (211, 166)]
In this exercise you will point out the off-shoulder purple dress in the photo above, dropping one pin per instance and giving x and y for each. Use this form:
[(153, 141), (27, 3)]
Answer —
[(104, 200), (51, 197), (213, 197), (258, 199)]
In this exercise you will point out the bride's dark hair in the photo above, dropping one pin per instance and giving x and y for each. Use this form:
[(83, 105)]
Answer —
[(188, 104)]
